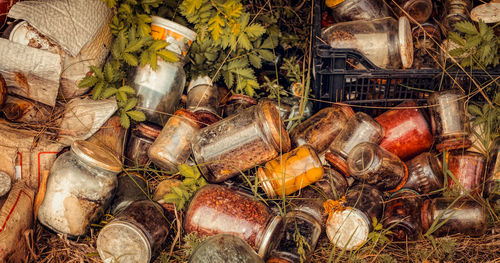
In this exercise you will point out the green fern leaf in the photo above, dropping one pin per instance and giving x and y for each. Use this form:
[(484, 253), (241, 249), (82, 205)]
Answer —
[(109, 92), (135, 45), (466, 27), (168, 55), (97, 90), (127, 89), (266, 54), (88, 82), (255, 60), (255, 30), (215, 26)]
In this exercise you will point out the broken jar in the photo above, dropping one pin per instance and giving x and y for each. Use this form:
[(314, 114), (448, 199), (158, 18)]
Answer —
[(419, 10), (467, 168), (350, 10), (79, 188), (385, 42), (425, 174), (173, 145), (402, 215), (290, 172), (240, 142), (224, 248), (218, 209), (492, 187), (202, 95), (142, 137)]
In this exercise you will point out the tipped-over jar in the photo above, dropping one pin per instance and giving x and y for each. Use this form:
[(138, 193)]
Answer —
[(467, 168), (402, 215), (202, 95), (425, 174)]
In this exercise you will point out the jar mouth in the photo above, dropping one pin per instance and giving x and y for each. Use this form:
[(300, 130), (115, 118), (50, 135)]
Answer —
[(419, 5), (201, 80), (338, 163), (266, 183), (279, 135), (361, 160), (271, 236), (96, 156)]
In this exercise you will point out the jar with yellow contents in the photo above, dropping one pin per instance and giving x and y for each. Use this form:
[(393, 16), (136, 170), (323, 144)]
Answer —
[(291, 172)]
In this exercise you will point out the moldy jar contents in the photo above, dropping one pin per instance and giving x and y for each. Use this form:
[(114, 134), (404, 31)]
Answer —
[(202, 95), (425, 174), (236, 103), (173, 145), (240, 142), (402, 215), (290, 172), (131, 187), (468, 168), (224, 248), (218, 209), (492, 187), (419, 10), (142, 137), (350, 10)]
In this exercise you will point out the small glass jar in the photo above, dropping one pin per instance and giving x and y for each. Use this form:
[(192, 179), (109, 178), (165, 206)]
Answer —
[(455, 11), (351, 10), (79, 188), (425, 174), (291, 172), (173, 145), (467, 167), (224, 248), (492, 187), (402, 215), (236, 103), (131, 187), (385, 42), (135, 235), (321, 129), (463, 216), (426, 38), (202, 95), (449, 123), (5, 184), (419, 10), (371, 164), (240, 142), (218, 209), (142, 137), (360, 128), (367, 199), (407, 132)]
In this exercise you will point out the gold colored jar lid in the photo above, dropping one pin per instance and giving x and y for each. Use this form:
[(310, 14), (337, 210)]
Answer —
[(148, 129), (96, 156), (276, 126)]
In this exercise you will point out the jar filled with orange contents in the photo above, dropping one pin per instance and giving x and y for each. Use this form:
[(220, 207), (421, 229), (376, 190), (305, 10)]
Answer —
[(467, 168)]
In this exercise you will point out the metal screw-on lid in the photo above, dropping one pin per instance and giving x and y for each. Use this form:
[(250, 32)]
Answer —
[(5, 183), (405, 42), (348, 228), (488, 13), (272, 234), (96, 156), (188, 115), (201, 80), (149, 130)]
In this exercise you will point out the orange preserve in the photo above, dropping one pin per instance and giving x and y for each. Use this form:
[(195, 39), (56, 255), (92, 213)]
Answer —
[(291, 171)]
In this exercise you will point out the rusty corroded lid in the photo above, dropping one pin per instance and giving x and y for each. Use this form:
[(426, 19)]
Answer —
[(346, 109), (488, 13), (148, 129), (276, 126), (186, 114), (206, 118), (95, 155), (266, 183), (405, 42), (337, 163), (348, 228), (3, 91)]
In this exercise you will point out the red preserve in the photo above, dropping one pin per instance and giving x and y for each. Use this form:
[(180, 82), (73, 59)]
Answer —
[(468, 168)]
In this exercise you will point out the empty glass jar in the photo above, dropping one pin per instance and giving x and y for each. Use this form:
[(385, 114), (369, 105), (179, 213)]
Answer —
[(467, 168), (425, 174), (224, 248), (202, 95), (419, 10), (402, 215), (142, 137), (350, 10)]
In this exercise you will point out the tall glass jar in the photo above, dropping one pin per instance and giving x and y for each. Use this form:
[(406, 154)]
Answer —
[(492, 187), (173, 145), (407, 132), (79, 188), (290, 172), (202, 95), (455, 11), (321, 129), (350, 10), (402, 215), (449, 123), (237, 143), (468, 168), (425, 174), (131, 187), (218, 209), (236, 103), (224, 248), (419, 10), (360, 128), (385, 42), (142, 137), (426, 38)]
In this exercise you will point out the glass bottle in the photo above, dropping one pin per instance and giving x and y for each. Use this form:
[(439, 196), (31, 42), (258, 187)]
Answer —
[(449, 123), (224, 248), (218, 209), (321, 129), (240, 142), (236, 103), (142, 137), (135, 235), (425, 174), (455, 11), (131, 187), (391, 43), (290, 172), (463, 216), (492, 187), (419, 10), (351, 10), (402, 215), (407, 132), (360, 128), (467, 167), (202, 95)]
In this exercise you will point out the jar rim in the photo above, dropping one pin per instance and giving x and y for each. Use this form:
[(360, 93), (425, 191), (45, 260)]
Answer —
[(96, 156), (273, 227), (149, 129), (276, 126), (358, 220), (266, 183), (183, 113)]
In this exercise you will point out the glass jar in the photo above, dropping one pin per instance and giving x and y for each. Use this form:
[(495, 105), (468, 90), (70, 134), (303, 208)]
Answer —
[(236, 103), (224, 248), (402, 215), (455, 11), (463, 216), (350, 10), (449, 123), (426, 38), (407, 132), (202, 95), (419, 10), (131, 187), (240, 142), (290, 172), (360, 128), (425, 174), (467, 168), (79, 188), (142, 137), (384, 41), (367, 199), (5, 184), (206, 118), (492, 187), (218, 209), (371, 164), (348, 228), (173, 145), (135, 235), (333, 185), (321, 129)]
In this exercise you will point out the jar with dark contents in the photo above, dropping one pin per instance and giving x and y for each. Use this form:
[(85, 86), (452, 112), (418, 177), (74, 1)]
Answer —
[(402, 215), (492, 187), (455, 11), (407, 132), (290, 172), (224, 248), (131, 187), (449, 123), (240, 142), (360, 128), (371, 164), (467, 168), (333, 185), (419, 10), (217, 209), (142, 137), (236, 103), (425, 174), (350, 10), (173, 145), (426, 38), (321, 129), (135, 235), (367, 199), (464, 216), (202, 95)]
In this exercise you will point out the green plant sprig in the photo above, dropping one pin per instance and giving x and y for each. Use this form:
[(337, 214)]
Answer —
[(180, 195)]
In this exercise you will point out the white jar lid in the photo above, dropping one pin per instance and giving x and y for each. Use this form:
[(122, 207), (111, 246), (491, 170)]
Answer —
[(348, 229), (200, 80), (488, 13), (405, 42)]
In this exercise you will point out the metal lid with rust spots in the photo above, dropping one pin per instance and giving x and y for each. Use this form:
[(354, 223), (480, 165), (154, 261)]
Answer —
[(96, 156), (405, 42)]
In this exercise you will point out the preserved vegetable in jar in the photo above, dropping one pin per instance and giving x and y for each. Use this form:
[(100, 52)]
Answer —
[(240, 142), (492, 188), (131, 187), (290, 172), (467, 168), (350, 10), (425, 174), (236, 103), (402, 215), (419, 10), (202, 95), (142, 137), (217, 209), (224, 248)]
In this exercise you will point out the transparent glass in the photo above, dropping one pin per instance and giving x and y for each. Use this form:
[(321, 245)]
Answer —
[(468, 168), (333, 184), (425, 174), (419, 10), (492, 188), (348, 229), (350, 10), (367, 199), (236, 103), (402, 215), (131, 187), (455, 11), (142, 137), (203, 98), (425, 39), (224, 248)]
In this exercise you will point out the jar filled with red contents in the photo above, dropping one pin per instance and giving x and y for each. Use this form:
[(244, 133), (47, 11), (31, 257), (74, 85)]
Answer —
[(202, 95), (463, 216), (467, 168), (407, 132), (321, 129), (449, 123), (173, 145), (360, 128), (402, 215), (371, 164), (142, 137), (238, 102), (425, 174), (218, 209), (240, 142), (492, 188)]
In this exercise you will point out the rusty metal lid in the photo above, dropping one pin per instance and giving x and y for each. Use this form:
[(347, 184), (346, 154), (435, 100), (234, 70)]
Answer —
[(348, 228), (3, 90), (201, 80), (96, 156), (405, 42), (243, 98), (337, 163), (149, 129), (276, 127), (186, 114), (488, 13)]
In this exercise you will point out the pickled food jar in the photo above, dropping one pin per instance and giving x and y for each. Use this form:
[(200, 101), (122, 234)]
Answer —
[(402, 215), (224, 248), (142, 137), (202, 95), (467, 168), (350, 10), (425, 174)]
